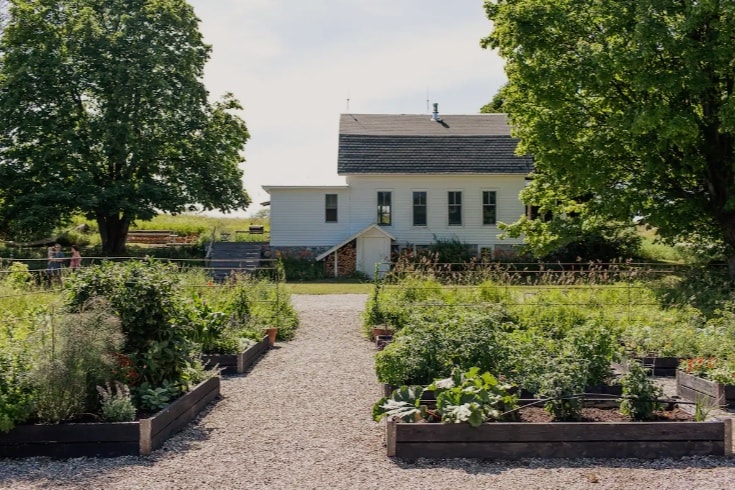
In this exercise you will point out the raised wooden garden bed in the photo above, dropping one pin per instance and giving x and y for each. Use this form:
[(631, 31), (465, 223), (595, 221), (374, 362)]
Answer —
[(237, 363), (702, 390), (109, 439), (659, 366), (518, 440)]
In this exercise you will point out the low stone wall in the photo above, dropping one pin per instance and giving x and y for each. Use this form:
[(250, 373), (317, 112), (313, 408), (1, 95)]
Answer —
[(298, 252)]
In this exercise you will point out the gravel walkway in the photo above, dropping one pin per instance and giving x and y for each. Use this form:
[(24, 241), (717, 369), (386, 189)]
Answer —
[(301, 420)]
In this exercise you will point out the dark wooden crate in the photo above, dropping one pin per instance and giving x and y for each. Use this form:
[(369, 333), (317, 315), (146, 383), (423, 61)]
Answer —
[(661, 366), (514, 440), (658, 366)]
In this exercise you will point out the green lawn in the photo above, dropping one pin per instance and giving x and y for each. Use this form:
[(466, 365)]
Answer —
[(329, 287)]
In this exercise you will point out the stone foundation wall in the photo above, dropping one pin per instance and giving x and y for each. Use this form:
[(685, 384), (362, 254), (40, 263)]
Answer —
[(298, 252)]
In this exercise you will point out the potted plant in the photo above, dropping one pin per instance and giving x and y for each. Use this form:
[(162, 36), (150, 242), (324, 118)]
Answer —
[(272, 333)]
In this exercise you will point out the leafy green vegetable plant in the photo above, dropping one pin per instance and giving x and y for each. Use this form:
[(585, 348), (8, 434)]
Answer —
[(403, 403), (156, 398), (464, 397), (562, 384), (472, 397), (640, 393)]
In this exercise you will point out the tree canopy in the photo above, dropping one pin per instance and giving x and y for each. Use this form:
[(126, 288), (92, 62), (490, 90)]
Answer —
[(103, 112), (627, 108), (496, 103)]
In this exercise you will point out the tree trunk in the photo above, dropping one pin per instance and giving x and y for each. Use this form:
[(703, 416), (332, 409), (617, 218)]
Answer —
[(728, 229), (113, 232)]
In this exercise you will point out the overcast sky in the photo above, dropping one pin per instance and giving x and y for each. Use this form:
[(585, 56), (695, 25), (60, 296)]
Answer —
[(294, 64)]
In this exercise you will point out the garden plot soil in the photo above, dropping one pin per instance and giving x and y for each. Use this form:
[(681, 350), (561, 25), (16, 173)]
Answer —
[(538, 414), (301, 419)]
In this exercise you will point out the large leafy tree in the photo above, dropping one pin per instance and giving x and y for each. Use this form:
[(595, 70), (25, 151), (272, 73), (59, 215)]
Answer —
[(627, 108), (103, 112)]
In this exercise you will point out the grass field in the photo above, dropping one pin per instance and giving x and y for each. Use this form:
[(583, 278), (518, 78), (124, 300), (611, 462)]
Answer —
[(329, 287), (185, 224)]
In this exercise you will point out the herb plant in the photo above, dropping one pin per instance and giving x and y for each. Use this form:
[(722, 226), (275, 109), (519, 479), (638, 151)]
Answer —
[(116, 403)]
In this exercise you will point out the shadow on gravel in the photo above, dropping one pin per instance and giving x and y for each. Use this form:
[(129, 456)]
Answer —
[(495, 467), (44, 472)]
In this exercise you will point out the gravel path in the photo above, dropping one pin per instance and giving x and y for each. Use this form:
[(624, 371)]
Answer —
[(301, 420)]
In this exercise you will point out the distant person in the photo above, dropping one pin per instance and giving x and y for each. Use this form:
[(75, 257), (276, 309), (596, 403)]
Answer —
[(56, 257), (76, 258)]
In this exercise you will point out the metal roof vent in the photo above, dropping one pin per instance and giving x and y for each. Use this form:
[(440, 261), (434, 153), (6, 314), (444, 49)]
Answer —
[(435, 113)]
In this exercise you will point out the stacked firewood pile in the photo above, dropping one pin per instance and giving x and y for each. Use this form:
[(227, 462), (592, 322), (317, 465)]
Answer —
[(346, 261)]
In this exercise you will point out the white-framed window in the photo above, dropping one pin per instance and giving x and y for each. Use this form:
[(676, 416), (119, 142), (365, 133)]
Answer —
[(419, 208), (330, 208), (384, 208), (489, 207), (454, 210)]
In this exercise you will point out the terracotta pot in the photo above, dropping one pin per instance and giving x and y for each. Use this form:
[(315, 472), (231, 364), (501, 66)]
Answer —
[(377, 331), (272, 332)]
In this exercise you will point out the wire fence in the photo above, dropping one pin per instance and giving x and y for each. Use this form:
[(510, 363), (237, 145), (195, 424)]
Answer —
[(208, 277), (621, 287), (40, 270)]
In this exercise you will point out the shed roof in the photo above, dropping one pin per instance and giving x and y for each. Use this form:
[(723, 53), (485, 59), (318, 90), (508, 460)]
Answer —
[(352, 237), (418, 144)]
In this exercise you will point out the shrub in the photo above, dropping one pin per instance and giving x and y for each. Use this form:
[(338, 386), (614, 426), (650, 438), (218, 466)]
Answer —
[(671, 332), (640, 393), (18, 277), (437, 340), (451, 251), (390, 304), (211, 329), (270, 306), (598, 345), (563, 383), (598, 245), (149, 302), (16, 390), (411, 359), (302, 269)]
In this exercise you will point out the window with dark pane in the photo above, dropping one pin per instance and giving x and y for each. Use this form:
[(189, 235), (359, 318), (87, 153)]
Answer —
[(455, 208), (384, 208), (419, 208), (489, 207), (330, 208)]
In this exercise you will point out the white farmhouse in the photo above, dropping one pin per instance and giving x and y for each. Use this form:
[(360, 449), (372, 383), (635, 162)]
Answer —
[(410, 180)]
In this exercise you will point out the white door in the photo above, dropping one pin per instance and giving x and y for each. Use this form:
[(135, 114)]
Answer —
[(375, 250)]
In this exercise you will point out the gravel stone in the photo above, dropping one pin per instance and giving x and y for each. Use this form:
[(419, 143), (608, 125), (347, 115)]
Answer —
[(301, 419)]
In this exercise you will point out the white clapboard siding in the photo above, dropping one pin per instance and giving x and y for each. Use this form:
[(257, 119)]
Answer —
[(363, 192), (297, 216)]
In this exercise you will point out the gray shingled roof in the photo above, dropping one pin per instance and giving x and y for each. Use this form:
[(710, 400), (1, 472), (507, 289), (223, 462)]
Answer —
[(415, 144)]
